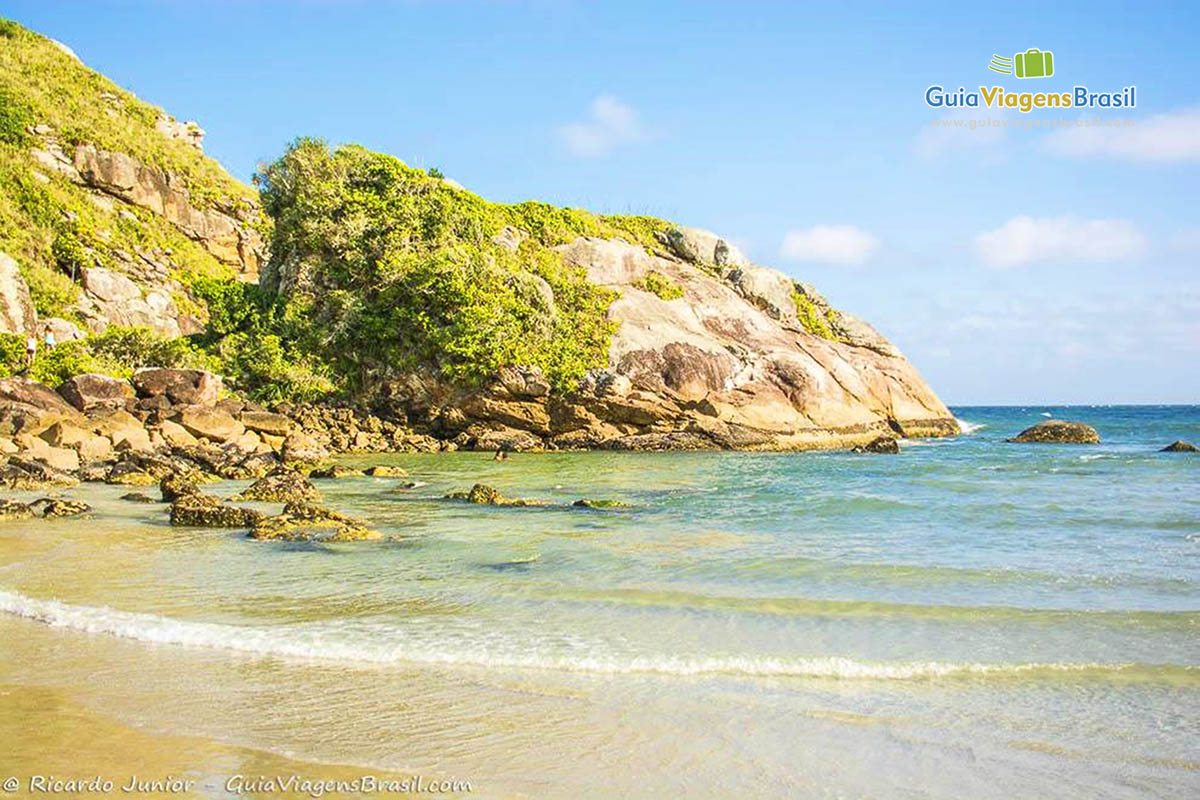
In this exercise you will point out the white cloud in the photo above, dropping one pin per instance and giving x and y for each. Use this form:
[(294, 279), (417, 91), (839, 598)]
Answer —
[(1024, 240), (1163, 138), (831, 244), (609, 123)]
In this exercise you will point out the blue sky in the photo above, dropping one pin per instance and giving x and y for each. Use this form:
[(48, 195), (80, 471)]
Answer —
[(1012, 266)]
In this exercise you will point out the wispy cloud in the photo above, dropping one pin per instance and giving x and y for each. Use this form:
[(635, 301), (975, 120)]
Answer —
[(830, 244), (1026, 240), (609, 124), (1163, 138), (962, 131)]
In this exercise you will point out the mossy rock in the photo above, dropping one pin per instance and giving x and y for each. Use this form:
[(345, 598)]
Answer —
[(307, 522), (484, 495), (206, 511), (590, 503), (283, 485)]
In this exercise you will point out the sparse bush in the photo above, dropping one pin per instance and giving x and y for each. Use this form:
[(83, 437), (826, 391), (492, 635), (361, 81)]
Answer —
[(663, 286)]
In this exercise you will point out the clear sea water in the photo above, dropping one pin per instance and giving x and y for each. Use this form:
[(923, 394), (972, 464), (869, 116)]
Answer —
[(970, 618)]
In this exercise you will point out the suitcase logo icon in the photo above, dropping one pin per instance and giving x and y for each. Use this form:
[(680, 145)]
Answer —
[(1033, 63)]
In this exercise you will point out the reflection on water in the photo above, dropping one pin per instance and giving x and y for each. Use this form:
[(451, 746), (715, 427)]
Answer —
[(971, 618)]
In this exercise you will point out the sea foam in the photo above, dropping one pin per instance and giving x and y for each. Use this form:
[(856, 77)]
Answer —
[(398, 649)]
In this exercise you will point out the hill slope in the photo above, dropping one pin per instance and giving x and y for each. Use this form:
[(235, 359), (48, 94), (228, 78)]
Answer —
[(394, 289)]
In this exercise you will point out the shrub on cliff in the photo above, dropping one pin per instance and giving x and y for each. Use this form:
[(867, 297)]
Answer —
[(401, 269), (117, 352)]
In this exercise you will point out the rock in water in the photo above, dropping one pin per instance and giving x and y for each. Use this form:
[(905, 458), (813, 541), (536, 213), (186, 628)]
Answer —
[(175, 486), (589, 503), (206, 511), (307, 522), (484, 495), (336, 471), (51, 507), (1180, 446), (11, 509), (138, 497), (283, 485), (886, 445), (1058, 431)]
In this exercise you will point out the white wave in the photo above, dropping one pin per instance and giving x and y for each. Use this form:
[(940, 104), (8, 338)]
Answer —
[(321, 645), (1047, 414), (970, 427)]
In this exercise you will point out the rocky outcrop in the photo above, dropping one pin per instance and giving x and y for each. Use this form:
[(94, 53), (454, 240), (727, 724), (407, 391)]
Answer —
[(1180, 446), (228, 237), (90, 391), (484, 495), (282, 485), (1058, 431), (306, 522), (16, 306), (730, 365), (179, 386), (205, 511)]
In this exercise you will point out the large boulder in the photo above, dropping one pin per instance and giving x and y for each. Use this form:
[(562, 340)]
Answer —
[(16, 306), (89, 391), (89, 445), (304, 522), (29, 407), (120, 426), (282, 485), (63, 459), (703, 247), (205, 511), (768, 289), (299, 447), (180, 386), (266, 422), (214, 424), (1058, 431)]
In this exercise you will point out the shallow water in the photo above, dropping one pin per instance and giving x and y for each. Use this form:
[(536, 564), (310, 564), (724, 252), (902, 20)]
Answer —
[(971, 618)]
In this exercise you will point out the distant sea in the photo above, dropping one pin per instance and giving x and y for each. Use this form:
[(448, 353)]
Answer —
[(971, 618)]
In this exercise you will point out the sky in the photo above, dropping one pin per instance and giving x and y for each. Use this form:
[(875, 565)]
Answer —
[(1012, 265)]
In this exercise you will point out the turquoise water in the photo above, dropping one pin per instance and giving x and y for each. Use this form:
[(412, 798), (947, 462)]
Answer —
[(970, 618)]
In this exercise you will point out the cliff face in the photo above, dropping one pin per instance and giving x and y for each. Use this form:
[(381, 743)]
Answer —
[(523, 326), (108, 206), (719, 361)]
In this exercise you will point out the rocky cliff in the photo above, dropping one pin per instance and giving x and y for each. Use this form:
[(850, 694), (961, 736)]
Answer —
[(477, 324), (723, 361), (108, 206)]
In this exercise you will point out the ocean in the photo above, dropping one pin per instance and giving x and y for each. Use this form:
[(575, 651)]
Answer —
[(971, 618)]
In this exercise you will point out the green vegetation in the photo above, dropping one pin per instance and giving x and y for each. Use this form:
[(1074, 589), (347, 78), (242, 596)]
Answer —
[(117, 352), (663, 286), (815, 320), (50, 87), (393, 269), (12, 354), (51, 226)]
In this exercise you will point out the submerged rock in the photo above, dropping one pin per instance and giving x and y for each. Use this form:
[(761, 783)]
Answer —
[(206, 511), (53, 507), (1180, 446), (177, 485), (588, 503), (138, 497), (484, 495), (1058, 431), (11, 509), (382, 471), (886, 445), (336, 471), (283, 485), (306, 522)]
